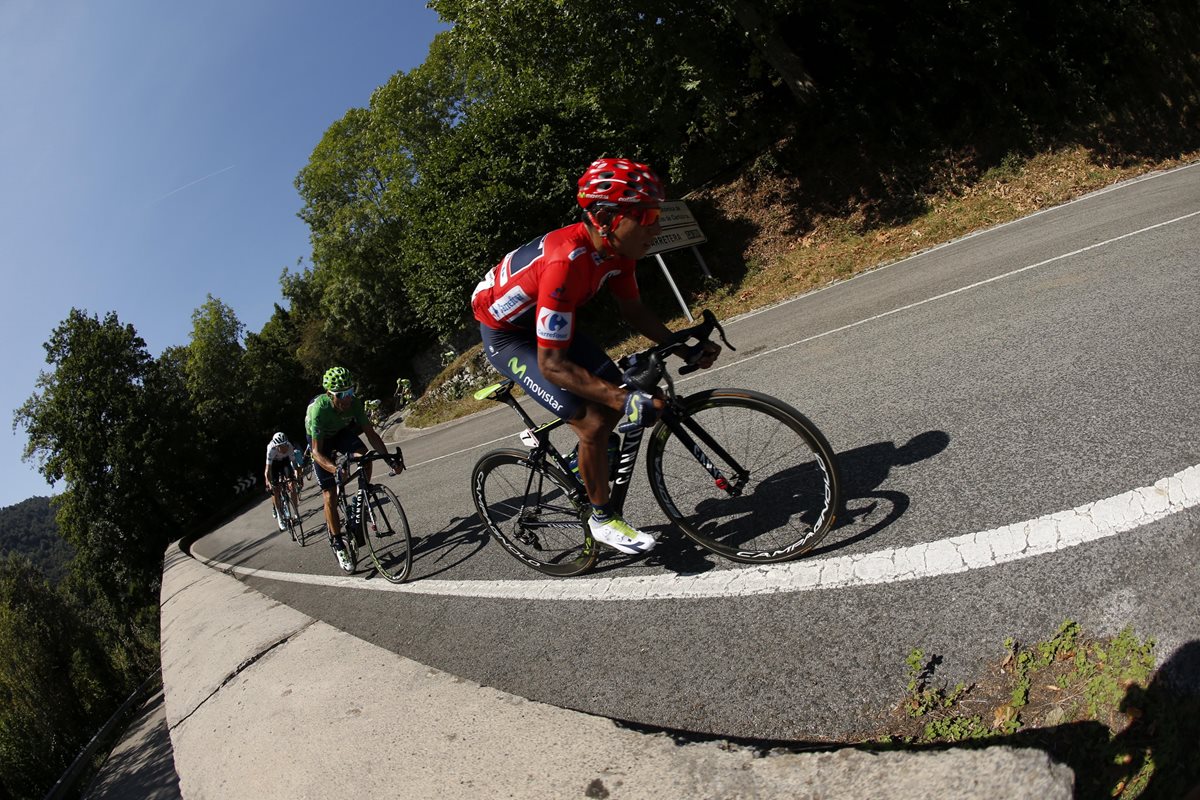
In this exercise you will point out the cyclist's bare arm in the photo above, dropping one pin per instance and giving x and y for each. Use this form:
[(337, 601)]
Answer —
[(379, 447), (646, 323), (319, 457)]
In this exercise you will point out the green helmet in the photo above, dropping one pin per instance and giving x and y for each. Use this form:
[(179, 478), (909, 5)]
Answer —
[(337, 379)]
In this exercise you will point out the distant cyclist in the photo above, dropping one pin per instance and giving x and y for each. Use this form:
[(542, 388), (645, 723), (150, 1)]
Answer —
[(280, 469), (334, 421), (526, 309)]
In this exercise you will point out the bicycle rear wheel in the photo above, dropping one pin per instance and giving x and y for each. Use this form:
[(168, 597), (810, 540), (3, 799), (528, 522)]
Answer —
[(777, 494), (534, 512), (294, 524), (385, 529)]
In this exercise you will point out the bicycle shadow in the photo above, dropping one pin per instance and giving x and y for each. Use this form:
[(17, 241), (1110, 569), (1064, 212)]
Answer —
[(444, 549), (863, 471)]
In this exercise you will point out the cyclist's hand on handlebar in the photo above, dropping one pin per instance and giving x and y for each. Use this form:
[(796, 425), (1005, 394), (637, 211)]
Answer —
[(641, 411)]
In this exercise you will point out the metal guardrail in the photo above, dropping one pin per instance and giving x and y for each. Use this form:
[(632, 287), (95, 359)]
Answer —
[(66, 785)]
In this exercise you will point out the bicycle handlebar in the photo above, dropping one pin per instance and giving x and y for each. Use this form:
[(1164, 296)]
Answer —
[(646, 368), (352, 458)]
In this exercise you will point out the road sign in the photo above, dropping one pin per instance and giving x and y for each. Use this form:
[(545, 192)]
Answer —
[(679, 229)]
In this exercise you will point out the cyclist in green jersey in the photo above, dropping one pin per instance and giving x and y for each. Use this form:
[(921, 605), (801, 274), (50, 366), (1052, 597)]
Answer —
[(334, 421)]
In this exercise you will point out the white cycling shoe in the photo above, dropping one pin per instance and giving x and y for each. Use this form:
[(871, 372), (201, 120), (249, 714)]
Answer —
[(620, 535)]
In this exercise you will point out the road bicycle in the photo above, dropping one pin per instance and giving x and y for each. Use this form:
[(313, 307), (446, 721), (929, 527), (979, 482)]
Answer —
[(372, 518), (287, 508), (741, 473)]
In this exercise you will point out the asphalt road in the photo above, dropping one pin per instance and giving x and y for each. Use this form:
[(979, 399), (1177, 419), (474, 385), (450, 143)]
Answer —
[(1031, 369)]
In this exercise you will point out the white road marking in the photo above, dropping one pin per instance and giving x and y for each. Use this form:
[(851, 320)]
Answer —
[(1041, 536), (950, 293)]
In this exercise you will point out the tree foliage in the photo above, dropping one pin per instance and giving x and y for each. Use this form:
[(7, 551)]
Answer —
[(27, 529), (410, 199), (475, 151)]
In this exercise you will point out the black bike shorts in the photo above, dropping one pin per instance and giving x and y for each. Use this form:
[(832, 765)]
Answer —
[(514, 355), (344, 441), (281, 470)]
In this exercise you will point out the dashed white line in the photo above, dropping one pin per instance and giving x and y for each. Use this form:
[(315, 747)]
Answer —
[(1046, 534)]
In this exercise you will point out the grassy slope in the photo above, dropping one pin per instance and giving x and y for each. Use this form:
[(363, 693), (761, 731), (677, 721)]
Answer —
[(780, 264)]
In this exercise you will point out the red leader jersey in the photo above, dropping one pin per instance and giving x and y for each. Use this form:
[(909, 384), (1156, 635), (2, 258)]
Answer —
[(539, 285)]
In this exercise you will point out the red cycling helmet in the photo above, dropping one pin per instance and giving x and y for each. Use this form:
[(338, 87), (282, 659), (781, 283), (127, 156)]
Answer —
[(619, 182)]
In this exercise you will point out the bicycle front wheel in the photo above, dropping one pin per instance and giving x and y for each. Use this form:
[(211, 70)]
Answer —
[(385, 529), (772, 491), (295, 526), (534, 512)]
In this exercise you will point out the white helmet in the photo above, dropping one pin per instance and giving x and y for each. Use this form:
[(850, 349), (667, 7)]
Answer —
[(279, 438)]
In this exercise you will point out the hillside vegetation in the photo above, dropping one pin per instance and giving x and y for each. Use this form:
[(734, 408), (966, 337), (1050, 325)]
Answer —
[(27, 529), (812, 140), (779, 265)]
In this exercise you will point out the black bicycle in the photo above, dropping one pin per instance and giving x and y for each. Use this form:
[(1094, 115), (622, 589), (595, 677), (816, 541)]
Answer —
[(741, 473), (287, 508), (372, 518)]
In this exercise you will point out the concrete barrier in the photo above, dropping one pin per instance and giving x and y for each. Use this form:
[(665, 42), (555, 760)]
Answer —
[(265, 702)]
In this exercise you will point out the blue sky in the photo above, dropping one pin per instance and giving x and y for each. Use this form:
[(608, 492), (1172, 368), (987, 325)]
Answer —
[(147, 156)]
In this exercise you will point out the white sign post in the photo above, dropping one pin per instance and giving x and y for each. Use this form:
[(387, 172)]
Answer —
[(679, 230)]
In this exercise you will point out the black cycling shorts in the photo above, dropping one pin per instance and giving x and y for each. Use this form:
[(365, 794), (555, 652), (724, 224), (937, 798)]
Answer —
[(281, 470), (514, 354), (344, 441)]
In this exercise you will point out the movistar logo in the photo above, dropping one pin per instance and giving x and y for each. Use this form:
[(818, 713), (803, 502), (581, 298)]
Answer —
[(636, 413), (516, 367)]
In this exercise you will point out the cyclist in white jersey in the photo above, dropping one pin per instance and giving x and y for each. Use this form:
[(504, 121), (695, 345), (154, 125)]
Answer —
[(280, 468)]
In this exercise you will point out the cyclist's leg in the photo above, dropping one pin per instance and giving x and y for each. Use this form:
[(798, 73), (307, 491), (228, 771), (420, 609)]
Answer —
[(277, 478), (515, 355), (293, 492), (593, 422), (327, 481)]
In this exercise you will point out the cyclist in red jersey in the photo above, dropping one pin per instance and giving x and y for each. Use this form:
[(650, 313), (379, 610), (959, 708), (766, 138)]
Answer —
[(526, 309)]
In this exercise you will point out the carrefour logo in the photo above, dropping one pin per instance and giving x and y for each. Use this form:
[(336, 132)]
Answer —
[(554, 325)]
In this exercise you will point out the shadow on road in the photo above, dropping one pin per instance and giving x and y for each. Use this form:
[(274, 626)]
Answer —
[(461, 538), (863, 471)]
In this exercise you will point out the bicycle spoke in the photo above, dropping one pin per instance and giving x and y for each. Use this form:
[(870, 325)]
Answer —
[(787, 501), (528, 509)]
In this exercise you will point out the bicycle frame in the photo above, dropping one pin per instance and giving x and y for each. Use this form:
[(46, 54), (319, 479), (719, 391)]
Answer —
[(344, 498), (630, 448)]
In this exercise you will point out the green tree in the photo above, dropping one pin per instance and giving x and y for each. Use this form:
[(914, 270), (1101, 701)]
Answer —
[(84, 426), (214, 365), (56, 686), (277, 383)]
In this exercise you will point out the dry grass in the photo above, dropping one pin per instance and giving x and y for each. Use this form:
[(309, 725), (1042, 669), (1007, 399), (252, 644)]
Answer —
[(836, 247)]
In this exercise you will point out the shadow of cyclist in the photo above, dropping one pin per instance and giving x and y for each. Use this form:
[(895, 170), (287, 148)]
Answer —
[(440, 551), (864, 470), (1165, 729)]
